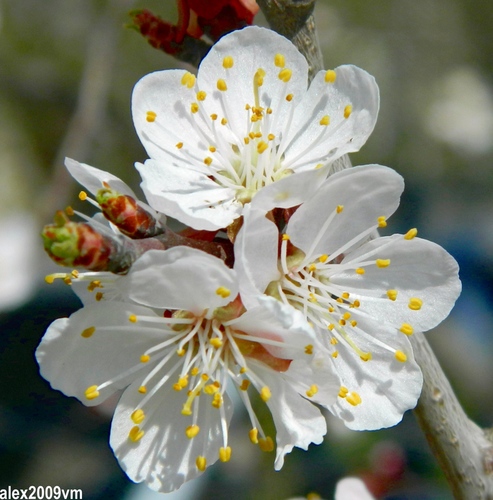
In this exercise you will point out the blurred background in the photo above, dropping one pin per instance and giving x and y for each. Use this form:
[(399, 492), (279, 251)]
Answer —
[(66, 74)]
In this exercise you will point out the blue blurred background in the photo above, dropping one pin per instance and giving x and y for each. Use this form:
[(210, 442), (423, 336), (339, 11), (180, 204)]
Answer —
[(67, 71)]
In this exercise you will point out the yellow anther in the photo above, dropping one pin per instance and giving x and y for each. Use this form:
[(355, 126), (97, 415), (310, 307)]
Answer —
[(132, 318), (253, 435), (225, 454), (342, 322), (382, 263), (135, 434), (201, 463), (208, 160), (213, 117), (67, 280), (359, 270), (346, 315), (217, 400), (340, 300), (188, 79), (142, 389), (194, 371), (93, 285), (331, 326), (82, 196), (330, 76), (69, 211), (343, 391), (366, 356), (407, 329), (266, 444), (216, 342), (74, 274), (268, 111), (98, 296), (181, 384), (224, 121), (400, 356), (330, 309), (194, 107), (339, 208), (289, 97), (138, 416), (258, 78), (382, 222), (221, 85), (323, 258), (271, 137), (205, 377), (285, 75), (201, 95), (312, 391), (345, 295), (210, 389), (309, 349), (285, 237), (411, 234), (354, 323), (92, 392), (353, 399), (415, 304), (228, 62), (279, 61), (223, 292), (246, 140), (191, 431), (145, 358), (335, 354), (347, 111), (212, 149), (265, 394), (392, 294), (50, 278), (325, 120), (88, 332), (261, 147), (334, 341), (181, 352), (151, 116), (356, 303), (243, 370), (245, 384), (311, 268)]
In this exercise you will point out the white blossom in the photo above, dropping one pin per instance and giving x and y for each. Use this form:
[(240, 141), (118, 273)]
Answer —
[(247, 126), (364, 296)]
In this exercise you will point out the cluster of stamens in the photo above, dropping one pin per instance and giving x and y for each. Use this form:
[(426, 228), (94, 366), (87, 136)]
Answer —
[(306, 284)]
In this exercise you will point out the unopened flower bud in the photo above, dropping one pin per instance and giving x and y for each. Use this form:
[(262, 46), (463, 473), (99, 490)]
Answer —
[(130, 218)]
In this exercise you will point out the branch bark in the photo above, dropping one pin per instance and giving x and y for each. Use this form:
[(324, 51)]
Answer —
[(463, 450)]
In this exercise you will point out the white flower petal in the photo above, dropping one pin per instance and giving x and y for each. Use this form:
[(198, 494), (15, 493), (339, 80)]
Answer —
[(179, 191), (255, 255), (165, 457), (353, 86), (276, 321), (181, 278), (365, 193), (419, 270), (290, 191), (352, 488), (387, 387), (72, 362), (252, 48), (92, 178), (298, 422)]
